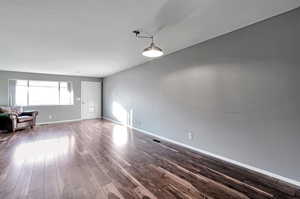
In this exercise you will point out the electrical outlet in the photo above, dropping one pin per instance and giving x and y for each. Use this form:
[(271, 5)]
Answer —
[(190, 135), (137, 123)]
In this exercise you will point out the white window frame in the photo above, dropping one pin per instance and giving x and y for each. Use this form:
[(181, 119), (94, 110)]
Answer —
[(28, 105)]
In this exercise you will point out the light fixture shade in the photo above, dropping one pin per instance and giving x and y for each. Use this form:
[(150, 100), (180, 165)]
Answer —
[(152, 51)]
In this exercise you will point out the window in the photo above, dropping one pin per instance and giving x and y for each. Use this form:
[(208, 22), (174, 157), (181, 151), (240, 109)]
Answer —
[(35, 93)]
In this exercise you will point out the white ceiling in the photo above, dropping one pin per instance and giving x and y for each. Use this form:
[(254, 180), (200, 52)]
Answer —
[(93, 37)]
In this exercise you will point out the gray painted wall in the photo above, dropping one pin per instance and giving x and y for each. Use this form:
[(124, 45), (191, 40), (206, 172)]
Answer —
[(59, 113), (239, 94)]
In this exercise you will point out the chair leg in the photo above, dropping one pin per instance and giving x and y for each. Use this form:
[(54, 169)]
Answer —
[(32, 125), (11, 129)]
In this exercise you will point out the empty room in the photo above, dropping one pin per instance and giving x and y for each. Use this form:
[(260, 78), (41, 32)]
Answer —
[(161, 99)]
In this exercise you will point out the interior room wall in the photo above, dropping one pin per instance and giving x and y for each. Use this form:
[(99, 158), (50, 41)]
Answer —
[(238, 95), (47, 113)]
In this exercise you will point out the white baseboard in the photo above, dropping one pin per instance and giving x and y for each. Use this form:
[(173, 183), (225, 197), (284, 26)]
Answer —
[(66, 121), (59, 121), (262, 171)]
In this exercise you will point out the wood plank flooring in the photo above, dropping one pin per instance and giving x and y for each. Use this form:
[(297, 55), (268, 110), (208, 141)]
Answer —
[(99, 159)]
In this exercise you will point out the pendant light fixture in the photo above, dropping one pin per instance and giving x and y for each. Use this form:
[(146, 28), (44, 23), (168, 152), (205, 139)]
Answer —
[(151, 51)]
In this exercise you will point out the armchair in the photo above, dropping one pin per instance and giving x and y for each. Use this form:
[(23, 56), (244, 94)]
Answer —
[(12, 120)]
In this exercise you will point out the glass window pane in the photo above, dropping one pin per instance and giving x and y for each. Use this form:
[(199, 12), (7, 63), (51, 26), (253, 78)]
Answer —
[(63, 84), (66, 93), (21, 82), (21, 93), (64, 96), (43, 93)]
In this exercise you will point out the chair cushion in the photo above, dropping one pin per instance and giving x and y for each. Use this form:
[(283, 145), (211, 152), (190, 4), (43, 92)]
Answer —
[(24, 118)]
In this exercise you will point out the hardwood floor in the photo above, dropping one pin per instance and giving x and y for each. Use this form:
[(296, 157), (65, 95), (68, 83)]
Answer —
[(99, 159)]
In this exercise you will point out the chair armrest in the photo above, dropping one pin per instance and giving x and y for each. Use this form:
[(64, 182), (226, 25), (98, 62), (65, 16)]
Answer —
[(12, 116)]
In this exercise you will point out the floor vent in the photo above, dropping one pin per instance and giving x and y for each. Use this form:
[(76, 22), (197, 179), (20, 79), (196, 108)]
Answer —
[(155, 140)]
